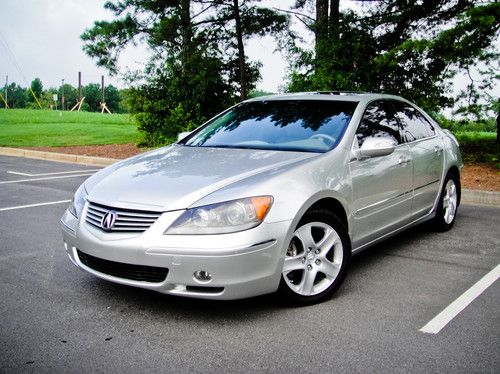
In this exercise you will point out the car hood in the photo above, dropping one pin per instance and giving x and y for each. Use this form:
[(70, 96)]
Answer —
[(177, 176)]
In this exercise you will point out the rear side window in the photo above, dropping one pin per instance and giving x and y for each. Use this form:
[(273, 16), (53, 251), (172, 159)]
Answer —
[(414, 125), (378, 121)]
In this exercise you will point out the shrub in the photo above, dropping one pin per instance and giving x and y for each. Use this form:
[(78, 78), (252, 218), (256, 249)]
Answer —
[(479, 147)]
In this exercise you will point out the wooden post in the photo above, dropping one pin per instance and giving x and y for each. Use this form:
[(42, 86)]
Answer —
[(103, 103), (80, 98), (62, 94)]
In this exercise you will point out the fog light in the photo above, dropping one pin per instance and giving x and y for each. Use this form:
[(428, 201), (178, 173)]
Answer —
[(202, 276)]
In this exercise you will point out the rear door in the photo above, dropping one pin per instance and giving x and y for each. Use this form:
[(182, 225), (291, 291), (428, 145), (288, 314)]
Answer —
[(382, 186), (427, 154)]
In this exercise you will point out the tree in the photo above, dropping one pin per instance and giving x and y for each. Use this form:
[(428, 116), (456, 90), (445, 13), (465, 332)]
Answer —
[(198, 60), (70, 95), (237, 21), (47, 98), (92, 93), (184, 76), (112, 98), (402, 47), (17, 96), (36, 89)]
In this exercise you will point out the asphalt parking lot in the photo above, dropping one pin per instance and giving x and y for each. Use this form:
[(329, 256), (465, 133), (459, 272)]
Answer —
[(55, 318)]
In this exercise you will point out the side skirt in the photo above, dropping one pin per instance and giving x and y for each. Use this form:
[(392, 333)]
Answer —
[(418, 221)]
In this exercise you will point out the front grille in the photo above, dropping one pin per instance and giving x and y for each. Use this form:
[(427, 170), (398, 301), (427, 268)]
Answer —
[(121, 270), (127, 220)]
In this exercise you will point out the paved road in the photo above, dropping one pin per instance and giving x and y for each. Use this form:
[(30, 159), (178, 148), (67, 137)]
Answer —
[(55, 318)]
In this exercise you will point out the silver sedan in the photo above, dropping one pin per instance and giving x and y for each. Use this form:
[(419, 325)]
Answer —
[(274, 194)]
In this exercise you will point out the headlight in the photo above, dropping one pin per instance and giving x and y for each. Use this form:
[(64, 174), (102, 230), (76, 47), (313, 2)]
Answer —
[(222, 218), (76, 205)]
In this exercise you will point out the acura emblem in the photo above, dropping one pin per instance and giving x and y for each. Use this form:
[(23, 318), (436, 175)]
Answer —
[(109, 219)]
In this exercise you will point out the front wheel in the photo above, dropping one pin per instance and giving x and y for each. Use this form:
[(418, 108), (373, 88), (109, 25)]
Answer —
[(448, 204), (317, 258)]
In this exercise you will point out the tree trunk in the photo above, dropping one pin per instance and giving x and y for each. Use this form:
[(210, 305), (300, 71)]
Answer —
[(498, 127), (241, 51), (333, 22), (186, 32), (321, 31)]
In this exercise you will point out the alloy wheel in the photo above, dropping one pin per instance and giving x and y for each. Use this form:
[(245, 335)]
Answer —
[(450, 201), (313, 260)]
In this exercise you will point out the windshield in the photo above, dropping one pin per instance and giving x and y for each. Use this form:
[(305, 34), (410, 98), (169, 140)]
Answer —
[(288, 125)]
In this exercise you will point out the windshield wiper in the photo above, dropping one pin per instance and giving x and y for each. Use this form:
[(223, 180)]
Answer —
[(231, 146)]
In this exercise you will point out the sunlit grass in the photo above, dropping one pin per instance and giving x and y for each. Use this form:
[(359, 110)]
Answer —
[(51, 128)]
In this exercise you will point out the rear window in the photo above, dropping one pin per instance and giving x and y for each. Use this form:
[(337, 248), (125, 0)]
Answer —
[(414, 126), (289, 125)]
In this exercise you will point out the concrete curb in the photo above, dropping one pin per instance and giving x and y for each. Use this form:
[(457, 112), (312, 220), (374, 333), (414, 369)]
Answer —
[(477, 197), (60, 157), (468, 196)]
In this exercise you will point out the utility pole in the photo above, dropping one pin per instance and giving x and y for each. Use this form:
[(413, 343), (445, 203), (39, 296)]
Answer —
[(62, 95), (6, 85)]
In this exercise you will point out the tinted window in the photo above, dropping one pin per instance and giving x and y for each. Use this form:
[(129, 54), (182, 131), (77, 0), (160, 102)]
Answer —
[(414, 125), (296, 125), (378, 121)]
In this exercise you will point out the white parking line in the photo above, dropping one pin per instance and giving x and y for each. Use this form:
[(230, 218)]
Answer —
[(34, 205), (56, 173), (451, 311), (46, 178)]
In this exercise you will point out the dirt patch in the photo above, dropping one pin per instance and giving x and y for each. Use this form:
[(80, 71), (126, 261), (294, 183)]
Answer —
[(481, 177), (118, 151), (476, 177)]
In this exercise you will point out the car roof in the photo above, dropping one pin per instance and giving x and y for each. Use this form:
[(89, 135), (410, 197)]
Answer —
[(327, 95)]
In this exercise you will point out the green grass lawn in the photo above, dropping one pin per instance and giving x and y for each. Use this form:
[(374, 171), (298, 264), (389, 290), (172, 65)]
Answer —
[(53, 128)]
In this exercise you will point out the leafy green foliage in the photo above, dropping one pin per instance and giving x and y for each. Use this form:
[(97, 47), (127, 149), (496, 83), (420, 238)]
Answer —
[(112, 98), (479, 147), (477, 138), (404, 47), (169, 103), (70, 95), (461, 126), (19, 97), (36, 88), (16, 96), (92, 93)]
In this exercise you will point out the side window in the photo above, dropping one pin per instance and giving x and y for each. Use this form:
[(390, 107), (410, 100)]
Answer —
[(378, 121), (414, 125)]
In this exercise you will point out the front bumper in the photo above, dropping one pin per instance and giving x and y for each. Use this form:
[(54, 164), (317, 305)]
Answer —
[(241, 265)]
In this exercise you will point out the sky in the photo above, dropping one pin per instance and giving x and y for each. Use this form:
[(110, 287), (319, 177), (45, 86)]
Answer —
[(41, 38)]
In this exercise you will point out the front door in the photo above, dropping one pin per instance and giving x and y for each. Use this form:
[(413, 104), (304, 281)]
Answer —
[(382, 186)]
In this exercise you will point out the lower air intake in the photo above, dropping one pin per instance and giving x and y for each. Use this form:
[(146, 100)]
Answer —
[(121, 270)]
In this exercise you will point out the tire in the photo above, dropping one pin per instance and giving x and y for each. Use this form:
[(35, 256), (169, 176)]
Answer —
[(316, 260), (449, 200)]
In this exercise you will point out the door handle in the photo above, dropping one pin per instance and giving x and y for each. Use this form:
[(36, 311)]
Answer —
[(438, 150), (403, 160)]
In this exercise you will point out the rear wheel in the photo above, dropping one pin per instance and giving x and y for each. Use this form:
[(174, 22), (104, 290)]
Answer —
[(448, 204), (317, 258)]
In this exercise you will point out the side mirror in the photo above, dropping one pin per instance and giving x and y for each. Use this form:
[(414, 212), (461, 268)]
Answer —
[(375, 147), (182, 135)]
